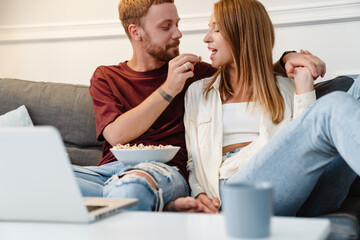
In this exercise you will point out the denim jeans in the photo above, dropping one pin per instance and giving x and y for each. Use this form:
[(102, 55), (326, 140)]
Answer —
[(108, 181), (308, 161)]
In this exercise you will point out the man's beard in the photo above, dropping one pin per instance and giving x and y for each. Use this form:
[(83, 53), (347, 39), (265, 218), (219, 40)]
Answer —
[(159, 52)]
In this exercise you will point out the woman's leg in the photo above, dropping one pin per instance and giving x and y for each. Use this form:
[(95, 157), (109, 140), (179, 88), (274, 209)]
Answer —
[(295, 159), (355, 89), (330, 190), (318, 201)]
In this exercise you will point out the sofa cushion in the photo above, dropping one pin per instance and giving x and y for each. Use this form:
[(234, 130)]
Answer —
[(16, 118), (68, 107), (345, 221), (340, 83)]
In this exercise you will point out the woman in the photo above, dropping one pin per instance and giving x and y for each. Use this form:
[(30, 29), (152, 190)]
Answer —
[(235, 122)]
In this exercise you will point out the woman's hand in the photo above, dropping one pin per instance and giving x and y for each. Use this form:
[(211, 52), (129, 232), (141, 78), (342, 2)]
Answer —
[(304, 81), (201, 204), (210, 205), (184, 204)]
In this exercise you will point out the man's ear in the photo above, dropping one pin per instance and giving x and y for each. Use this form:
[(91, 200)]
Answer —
[(135, 32)]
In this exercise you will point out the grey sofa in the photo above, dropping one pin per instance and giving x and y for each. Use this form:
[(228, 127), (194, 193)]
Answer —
[(69, 108), (65, 106)]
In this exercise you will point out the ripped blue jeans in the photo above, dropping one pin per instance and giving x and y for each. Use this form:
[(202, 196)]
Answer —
[(109, 181)]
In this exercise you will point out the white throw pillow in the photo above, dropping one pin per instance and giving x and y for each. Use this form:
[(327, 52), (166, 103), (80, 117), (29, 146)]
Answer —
[(16, 118)]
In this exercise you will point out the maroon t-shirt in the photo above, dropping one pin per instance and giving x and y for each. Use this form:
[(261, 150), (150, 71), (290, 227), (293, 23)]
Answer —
[(117, 89)]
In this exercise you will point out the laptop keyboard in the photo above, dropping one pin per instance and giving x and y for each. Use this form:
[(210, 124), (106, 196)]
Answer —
[(94, 207)]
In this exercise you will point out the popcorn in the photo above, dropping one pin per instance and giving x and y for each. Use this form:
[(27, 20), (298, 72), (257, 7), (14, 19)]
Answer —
[(140, 146)]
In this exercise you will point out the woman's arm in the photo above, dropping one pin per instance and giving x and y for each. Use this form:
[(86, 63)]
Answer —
[(304, 96), (304, 81), (194, 185)]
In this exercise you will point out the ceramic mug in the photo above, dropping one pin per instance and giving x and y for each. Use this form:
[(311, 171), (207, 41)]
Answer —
[(247, 209)]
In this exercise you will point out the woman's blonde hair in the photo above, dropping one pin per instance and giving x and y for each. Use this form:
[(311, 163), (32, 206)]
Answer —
[(132, 11), (247, 28)]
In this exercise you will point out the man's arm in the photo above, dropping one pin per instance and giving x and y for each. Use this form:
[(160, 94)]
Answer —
[(303, 59), (133, 123)]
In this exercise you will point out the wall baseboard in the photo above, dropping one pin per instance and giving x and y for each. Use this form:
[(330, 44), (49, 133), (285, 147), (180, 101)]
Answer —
[(310, 14)]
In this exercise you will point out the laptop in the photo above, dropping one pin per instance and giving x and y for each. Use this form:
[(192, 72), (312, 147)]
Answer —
[(37, 182)]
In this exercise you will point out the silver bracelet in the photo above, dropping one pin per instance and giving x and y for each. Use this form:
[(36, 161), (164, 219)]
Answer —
[(165, 96)]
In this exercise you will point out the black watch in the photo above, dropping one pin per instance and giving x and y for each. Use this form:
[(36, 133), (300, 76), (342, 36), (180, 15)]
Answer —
[(282, 58)]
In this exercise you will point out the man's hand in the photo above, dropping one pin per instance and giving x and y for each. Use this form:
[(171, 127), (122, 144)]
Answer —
[(180, 69), (304, 59)]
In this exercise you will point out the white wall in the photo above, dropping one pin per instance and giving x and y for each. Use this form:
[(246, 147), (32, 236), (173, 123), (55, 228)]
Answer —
[(64, 41)]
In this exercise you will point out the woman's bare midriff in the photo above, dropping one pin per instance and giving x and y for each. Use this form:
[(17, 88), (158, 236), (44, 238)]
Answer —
[(234, 146)]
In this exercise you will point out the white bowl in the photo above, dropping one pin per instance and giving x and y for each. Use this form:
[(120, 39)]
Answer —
[(134, 156)]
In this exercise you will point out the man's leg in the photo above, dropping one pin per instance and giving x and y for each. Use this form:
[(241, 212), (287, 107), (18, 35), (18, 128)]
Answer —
[(92, 179), (294, 160), (153, 184)]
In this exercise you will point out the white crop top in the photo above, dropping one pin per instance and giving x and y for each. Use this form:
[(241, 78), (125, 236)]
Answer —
[(240, 123)]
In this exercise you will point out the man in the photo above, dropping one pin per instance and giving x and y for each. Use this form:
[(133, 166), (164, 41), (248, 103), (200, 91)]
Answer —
[(141, 101)]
